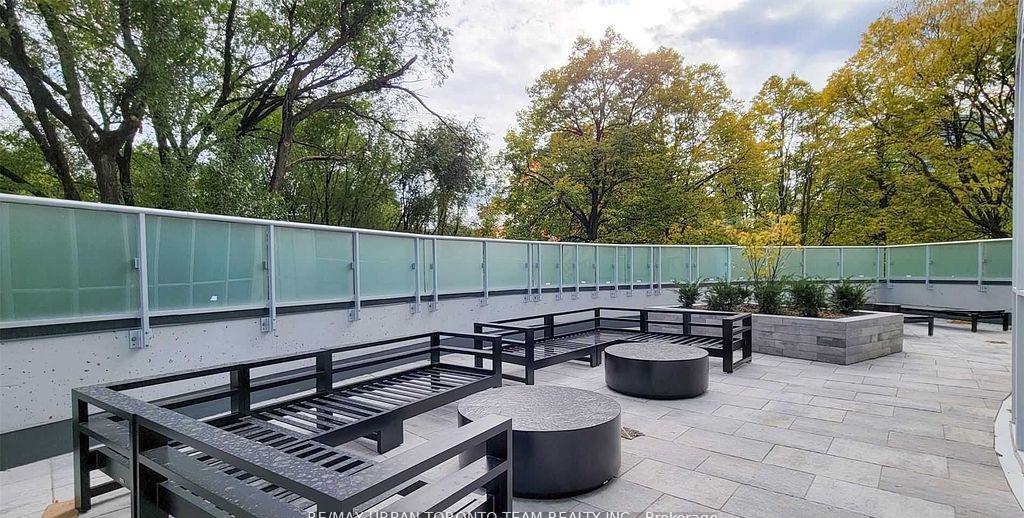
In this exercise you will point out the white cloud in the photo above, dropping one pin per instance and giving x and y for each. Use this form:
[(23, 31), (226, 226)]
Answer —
[(500, 47)]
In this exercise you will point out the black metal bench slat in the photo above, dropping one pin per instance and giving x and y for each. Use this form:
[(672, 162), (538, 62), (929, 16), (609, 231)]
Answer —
[(442, 494)]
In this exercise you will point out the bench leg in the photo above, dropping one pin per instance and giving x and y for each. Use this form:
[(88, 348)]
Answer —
[(1006, 321), (931, 327), (727, 361), (974, 323), (595, 358), (80, 445), (390, 437), (529, 375)]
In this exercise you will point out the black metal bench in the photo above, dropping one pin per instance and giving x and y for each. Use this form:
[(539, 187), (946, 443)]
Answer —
[(540, 341), (973, 315), (265, 446), (921, 319)]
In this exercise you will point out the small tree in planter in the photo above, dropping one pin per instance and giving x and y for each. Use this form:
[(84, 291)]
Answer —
[(807, 296), (848, 296), (764, 249), (688, 293)]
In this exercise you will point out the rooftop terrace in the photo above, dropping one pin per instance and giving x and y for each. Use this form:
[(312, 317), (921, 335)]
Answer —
[(909, 434)]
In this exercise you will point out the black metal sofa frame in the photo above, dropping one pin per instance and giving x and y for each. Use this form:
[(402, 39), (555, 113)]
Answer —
[(552, 340), (277, 457), (973, 315)]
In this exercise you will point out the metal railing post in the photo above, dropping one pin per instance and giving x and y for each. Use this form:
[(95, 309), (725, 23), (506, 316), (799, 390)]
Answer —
[(661, 267), (728, 265), (271, 279), (928, 267), (433, 274), (650, 284), (841, 269), (888, 268), (981, 267), (559, 267), (576, 268), (417, 261), (632, 272), (483, 266), (353, 314), (597, 273), (615, 274), (529, 272), (540, 274), (140, 339)]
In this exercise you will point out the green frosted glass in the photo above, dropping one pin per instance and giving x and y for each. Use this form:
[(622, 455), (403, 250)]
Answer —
[(625, 271), (312, 265), (569, 265), (998, 260), (549, 266), (674, 261), (61, 263), (427, 268), (506, 265), (642, 265), (740, 265), (821, 263), (386, 266), (860, 263), (588, 270), (459, 266), (906, 262), (954, 261), (712, 263), (606, 254)]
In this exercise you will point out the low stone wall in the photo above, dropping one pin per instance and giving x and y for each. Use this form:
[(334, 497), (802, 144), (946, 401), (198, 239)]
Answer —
[(853, 339)]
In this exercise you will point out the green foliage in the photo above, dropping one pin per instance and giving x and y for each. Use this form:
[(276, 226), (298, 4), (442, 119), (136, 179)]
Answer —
[(688, 293), (723, 296), (807, 296), (848, 296), (769, 296)]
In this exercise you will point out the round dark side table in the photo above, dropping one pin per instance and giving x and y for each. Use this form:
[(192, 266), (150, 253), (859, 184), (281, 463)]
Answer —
[(565, 441), (656, 370)]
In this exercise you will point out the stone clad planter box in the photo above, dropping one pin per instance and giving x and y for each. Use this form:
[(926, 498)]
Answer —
[(852, 339)]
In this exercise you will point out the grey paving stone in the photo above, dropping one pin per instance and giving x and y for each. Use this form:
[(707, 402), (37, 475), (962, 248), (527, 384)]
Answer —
[(621, 496), (749, 415), (827, 465), (669, 506), (944, 448), (758, 474), (853, 406), (665, 451), (975, 474), (752, 502), (786, 437), (895, 401), (703, 421), (892, 457), (874, 502), (727, 444), (894, 424), (848, 430), (967, 498), (979, 437), (798, 410), (683, 483)]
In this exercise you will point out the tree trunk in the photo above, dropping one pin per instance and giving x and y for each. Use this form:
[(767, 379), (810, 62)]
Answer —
[(105, 165)]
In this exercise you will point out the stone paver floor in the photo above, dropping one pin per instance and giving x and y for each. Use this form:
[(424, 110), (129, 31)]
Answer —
[(905, 435)]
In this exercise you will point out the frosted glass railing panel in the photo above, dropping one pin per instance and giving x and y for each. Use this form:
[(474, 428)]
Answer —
[(641, 265), (460, 266), (625, 271), (550, 265), (740, 265), (998, 260), (954, 261), (674, 261), (62, 263), (312, 265), (506, 266), (386, 266), (860, 263), (588, 270), (427, 270), (791, 262), (196, 264), (607, 273), (907, 262), (569, 265), (712, 264), (821, 263)]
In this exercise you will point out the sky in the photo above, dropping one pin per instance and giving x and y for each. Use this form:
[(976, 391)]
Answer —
[(500, 47)]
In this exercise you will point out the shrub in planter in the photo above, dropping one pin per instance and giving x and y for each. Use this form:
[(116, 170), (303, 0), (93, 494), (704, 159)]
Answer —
[(769, 296), (688, 293), (848, 296), (726, 297), (807, 296)]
